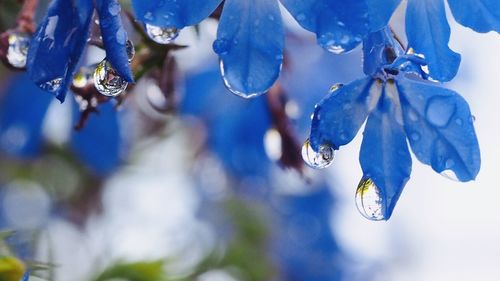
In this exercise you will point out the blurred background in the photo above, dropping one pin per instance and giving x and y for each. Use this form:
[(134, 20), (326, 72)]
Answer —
[(143, 192)]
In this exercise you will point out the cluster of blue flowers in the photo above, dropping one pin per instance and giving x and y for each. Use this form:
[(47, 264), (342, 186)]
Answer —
[(401, 96)]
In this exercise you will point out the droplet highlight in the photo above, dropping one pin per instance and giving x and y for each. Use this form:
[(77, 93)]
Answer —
[(317, 160), (162, 35), (51, 86), (107, 81), (369, 201)]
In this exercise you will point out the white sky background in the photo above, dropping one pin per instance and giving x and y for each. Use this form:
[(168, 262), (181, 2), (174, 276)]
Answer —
[(440, 229)]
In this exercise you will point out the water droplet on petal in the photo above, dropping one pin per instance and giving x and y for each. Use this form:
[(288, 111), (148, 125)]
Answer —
[(107, 81), (415, 136), (440, 110), (235, 91), (221, 46), (114, 8), (51, 86), (301, 17), (161, 35), (335, 87), (369, 200), (449, 174), (121, 36), (18, 49), (412, 115), (317, 160), (130, 50)]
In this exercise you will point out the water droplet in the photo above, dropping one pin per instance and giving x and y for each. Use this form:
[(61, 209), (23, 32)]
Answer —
[(335, 87), (459, 122), (413, 115), (221, 46), (114, 8), (18, 49), (317, 160), (107, 81), (301, 17), (149, 16), (449, 174), (162, 35), (369, 200), (440, 110), (233, 89), (82, 77), (415, 136), (121, 36), (51, 86), (130, 50), (273, 144)]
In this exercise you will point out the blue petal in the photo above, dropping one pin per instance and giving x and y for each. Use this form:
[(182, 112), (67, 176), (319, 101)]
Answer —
[(380, 48), (428, 34), (439, 126), (338, 117), (114, 37), (22, 113), (176, 14), (26, 276), (341, 25), (99, 144), (384, 154), (58, 44), (250, 43), (480, 15)]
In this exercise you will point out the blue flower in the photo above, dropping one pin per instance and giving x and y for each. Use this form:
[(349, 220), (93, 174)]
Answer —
[(22, 113), (398, 104), (428, 31), (61, 38), (250, 36)]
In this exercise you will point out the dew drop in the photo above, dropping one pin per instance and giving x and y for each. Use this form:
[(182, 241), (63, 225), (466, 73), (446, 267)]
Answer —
[(114, 8), (107, 81), (221, 46), (449, 174), (301, 17), (440, 110), (415, 136), (369, 200), (161, 35), (413, 115), (121, 36), (235, 91), (130, 50), (51, 86), (317, 160), (18, 49), (335, 87)]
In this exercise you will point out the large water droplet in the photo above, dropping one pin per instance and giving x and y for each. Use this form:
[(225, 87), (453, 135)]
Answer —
[(107, 81), (221, 46), (369, 200), (317, 160), (161, 35), (233, 90), (440, 110), (51, 86), (449, 174), (18, 49)]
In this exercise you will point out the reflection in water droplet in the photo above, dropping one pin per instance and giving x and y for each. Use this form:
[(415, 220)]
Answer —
[(18, 49), (235, 91), (107, 81), (52, 85), (82, 77), (335, 87), (130, 50), (317, 160), (369, 200), (162, 35), (440, 110)]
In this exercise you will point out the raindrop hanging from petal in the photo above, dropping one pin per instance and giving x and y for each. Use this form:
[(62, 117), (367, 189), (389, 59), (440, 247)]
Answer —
[(107, 81), (369, 200), (317, 160), (162, 35)]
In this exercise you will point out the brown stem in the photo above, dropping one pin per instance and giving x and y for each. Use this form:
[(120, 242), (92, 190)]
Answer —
[(26, 17)]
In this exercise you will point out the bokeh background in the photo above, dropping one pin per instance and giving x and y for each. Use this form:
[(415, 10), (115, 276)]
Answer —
[(198, 195)]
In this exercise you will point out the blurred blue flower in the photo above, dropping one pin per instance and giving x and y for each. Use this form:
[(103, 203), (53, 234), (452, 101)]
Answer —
[(61, 37), (428, 31), (22, 114), (250, 36), (399, 105)]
